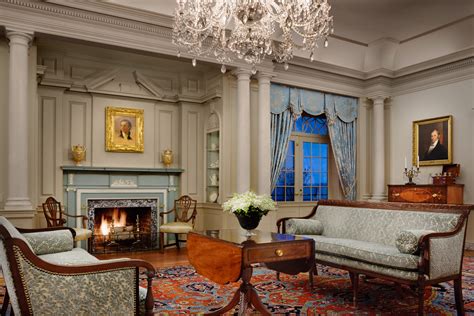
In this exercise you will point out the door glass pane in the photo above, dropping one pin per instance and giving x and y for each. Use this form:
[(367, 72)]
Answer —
[(315, 168), (285, 186)]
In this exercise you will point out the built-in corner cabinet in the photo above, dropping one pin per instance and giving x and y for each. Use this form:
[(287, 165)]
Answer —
[(213, 161)]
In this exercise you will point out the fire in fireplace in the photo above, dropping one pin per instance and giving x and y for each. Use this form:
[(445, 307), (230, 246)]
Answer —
[(117, 229), (122, 224)]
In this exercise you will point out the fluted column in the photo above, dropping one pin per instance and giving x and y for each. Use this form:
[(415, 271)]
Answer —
[(243, 130), (378, 145), (18, 198), (263, 137)]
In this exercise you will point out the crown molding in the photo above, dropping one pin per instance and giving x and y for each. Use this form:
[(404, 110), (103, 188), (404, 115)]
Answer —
[(149, 32), (117, 10)]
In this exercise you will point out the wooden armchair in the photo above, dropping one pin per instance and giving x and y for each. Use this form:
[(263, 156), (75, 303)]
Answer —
[(54, 215), (184, 216)]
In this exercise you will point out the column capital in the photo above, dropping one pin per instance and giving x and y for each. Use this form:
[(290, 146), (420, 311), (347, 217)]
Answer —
[(19, 36), (242, 73), (378, 97), (264, 77)]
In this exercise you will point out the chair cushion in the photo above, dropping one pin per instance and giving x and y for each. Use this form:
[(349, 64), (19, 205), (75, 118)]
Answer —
[(407, 240), (82, 233), (303, 226), (176, 227), (50, 242), (77, 256), (369, 252)]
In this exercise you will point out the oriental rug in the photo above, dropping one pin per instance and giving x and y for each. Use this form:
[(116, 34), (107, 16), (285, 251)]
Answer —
[(180, 290)]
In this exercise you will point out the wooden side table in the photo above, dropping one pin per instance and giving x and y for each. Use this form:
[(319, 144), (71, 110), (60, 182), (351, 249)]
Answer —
[(228, 255), (426, 193)]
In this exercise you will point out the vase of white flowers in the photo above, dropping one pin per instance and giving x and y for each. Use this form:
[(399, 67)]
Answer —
[(249, 208)]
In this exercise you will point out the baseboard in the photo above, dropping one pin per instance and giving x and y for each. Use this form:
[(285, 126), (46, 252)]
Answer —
[(469, 245)]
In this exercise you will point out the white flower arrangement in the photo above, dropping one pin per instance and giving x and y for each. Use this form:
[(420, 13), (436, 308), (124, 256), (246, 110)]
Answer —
[(249, 202)]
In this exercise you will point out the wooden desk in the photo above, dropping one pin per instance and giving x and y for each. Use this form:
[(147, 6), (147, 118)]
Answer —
[(227, 257), (426, 193)]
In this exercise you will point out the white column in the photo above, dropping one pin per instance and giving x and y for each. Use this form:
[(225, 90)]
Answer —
[(264, 121), (18, 198), (243, 130), (378, 135)]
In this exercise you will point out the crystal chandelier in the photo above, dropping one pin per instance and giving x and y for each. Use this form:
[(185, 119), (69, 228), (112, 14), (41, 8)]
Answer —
[(251, 29)]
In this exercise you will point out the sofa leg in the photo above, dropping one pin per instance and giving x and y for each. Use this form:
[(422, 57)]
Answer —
[(421, 298), (458, 296), (355, 286), (6, 302), (162, 242)]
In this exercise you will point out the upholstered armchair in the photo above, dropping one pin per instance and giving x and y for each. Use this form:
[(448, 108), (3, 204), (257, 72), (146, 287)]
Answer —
[(45, 275), (55, 217), (185, 212)]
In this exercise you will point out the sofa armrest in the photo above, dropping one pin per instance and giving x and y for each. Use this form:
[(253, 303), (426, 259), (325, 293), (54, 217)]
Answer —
[(303, 226), (50, 241), (46, 229), (281, 223), (105, 288), (442, 252)]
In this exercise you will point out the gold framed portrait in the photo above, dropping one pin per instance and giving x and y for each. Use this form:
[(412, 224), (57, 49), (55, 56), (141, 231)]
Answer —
[(123, 129), (433, 141)]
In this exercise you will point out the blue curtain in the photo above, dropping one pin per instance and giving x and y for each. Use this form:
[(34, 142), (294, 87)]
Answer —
[(287, 104), (341, 113), (281, 126)]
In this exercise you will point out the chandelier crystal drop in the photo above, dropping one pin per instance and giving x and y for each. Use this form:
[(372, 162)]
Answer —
[(250, 29)]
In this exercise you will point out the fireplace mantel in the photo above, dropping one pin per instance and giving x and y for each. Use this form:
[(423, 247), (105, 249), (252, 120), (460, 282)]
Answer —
[(123, 170)]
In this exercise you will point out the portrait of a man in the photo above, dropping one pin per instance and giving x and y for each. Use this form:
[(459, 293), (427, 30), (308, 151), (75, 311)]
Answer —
[(432, 141), (124, 129), (436, 150)]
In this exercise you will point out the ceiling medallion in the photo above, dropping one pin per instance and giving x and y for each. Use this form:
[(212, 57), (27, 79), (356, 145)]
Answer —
[(251, 29)]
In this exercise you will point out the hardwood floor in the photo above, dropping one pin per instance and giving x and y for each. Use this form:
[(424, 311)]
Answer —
[(171, 257)]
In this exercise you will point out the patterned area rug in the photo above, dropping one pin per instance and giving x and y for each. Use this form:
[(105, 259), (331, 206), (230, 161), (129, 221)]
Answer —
[(180, 290)]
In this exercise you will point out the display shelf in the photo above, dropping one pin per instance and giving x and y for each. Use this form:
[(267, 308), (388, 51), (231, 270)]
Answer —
[(212, 163)]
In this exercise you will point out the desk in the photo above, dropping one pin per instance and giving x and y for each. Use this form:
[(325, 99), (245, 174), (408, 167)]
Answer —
[(226, 255), (426, 193)]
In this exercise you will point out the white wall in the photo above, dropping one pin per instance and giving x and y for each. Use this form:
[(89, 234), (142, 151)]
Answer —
[(456, 99)]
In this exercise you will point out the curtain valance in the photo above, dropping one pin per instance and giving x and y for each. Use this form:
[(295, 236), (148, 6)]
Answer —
[(312, 102)]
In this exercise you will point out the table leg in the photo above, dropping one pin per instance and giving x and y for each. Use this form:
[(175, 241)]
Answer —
[(246, 295)]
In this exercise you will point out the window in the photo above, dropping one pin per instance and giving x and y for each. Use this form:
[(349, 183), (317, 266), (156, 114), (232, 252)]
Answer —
[(304, 176)]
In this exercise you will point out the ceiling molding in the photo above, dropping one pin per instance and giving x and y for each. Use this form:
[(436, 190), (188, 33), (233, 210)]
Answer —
[(437, 29), (113, 9), (78, 21)]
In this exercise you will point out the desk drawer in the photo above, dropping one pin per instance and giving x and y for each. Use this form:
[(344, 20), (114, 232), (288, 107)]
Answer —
[(278, 252)]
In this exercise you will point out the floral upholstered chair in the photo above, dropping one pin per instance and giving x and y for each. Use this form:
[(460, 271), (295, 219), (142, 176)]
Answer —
[(45, 275), (184, 211)]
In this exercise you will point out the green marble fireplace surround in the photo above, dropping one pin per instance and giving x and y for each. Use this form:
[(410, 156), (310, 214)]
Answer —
[(85, 187)]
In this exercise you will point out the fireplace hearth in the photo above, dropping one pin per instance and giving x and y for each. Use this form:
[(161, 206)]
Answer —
[(122, 225)]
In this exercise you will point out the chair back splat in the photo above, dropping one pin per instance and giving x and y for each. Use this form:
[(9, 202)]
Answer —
[(183, 206), (53, 213)]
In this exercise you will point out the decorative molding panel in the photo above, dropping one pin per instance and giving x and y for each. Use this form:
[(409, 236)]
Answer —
[(48, 144)]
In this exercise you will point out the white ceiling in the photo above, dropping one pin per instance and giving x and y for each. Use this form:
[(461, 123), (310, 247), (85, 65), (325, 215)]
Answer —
[(365, 20)]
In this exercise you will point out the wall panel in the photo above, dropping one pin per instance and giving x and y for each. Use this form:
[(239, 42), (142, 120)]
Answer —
[(48, 145)]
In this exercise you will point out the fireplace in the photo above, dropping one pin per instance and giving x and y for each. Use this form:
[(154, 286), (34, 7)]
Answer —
[(122, 224)]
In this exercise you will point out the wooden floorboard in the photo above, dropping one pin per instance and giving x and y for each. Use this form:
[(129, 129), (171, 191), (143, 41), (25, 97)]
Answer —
[(171, 257)]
